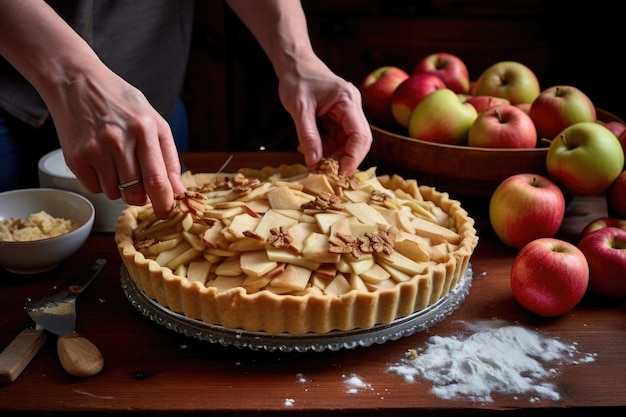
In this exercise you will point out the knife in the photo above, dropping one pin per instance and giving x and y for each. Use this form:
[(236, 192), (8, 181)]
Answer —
[(57, 314)]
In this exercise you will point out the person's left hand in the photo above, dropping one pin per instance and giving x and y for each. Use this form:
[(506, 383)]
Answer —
[(328, 116)]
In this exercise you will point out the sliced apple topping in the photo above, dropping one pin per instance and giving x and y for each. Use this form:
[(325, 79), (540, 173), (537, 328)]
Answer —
[(309, 233)]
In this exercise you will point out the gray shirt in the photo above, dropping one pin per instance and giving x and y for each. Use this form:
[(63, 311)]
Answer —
[(146, 42)]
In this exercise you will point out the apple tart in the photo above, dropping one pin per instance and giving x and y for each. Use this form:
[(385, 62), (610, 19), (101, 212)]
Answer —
[(295, 250)]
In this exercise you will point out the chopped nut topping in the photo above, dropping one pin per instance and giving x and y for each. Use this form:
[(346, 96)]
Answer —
[(328, 167), (252, 235), (348, 182), (383, 241), (324, 201), (144, 243), (341, 243), (219, 182), (279, 238), (242, 184), (378, 196)]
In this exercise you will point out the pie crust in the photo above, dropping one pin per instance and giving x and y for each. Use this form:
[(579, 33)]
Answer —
[(419, 237)]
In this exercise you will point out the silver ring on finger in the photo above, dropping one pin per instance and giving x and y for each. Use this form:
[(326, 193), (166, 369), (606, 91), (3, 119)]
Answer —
[(129, 184)]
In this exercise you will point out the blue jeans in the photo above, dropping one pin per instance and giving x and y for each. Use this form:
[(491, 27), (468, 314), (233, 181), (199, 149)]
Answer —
[(21, 147)]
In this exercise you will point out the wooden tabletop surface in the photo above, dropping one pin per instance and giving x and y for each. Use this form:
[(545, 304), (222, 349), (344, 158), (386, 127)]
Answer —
[(153, 369)]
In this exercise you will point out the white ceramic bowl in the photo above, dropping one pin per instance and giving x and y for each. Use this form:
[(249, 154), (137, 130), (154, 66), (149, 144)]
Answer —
[(41, 255), (54, 173)]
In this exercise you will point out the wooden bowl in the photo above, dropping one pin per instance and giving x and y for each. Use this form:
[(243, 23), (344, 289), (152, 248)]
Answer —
[(462, 171)]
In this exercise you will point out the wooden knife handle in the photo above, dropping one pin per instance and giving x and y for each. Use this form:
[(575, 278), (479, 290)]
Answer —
[(15, 357)]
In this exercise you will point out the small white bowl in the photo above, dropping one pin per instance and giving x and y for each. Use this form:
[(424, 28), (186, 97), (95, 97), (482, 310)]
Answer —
[(37, 256)]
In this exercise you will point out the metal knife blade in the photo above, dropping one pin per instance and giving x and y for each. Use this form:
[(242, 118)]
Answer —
[(57, 313)]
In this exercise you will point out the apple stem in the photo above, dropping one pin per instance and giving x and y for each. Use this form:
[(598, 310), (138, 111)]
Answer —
[(499, 114), (546, 140), (564, 141)]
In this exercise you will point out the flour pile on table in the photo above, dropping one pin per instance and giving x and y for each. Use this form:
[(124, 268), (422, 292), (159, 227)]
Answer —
[(496, 357), (354, 384)]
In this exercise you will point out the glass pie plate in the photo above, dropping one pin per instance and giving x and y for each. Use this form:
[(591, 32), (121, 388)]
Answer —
[(315, 342)]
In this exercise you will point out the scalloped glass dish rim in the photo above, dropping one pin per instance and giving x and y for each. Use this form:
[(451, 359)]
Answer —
[(284, 342)]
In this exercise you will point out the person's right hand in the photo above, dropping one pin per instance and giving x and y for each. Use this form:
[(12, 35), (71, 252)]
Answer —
[(111, 135), (109, 132)]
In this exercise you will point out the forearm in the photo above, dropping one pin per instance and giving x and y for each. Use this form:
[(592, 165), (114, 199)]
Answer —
[(41, 46), (280, 28)]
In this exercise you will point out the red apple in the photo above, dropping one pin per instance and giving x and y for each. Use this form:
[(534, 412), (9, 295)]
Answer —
[(605, 250), (450, 68), (481, 103), (503, 126), (549, 277), (614, 126), (622, 141), (410, 92), (585, 158), (601, 223), (509, 79), (616, 197), (525, 207), (376, 91), (472, 89), (558, 107), (525, 107)]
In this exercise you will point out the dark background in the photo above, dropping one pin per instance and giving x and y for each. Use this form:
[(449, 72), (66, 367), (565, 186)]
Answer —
[(231, 89)]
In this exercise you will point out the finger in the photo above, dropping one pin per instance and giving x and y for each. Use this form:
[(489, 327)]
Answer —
[(353, 136), (84, 172), (309, 141), (155, 172), (172, 161)]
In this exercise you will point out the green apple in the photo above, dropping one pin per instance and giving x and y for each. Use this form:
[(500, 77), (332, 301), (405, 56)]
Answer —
[(442, 117), (585, 158), (509, 79)]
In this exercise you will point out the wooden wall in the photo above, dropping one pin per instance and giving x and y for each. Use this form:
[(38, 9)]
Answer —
[(231, 89)]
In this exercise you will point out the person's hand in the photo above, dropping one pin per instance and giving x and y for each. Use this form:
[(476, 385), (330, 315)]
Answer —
[(328, 116), (111, 136)]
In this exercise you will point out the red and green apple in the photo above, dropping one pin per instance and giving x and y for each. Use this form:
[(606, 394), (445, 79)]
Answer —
[(376, 91), (525, 207), (450, 68), (481, 103), (558, 107), (616, 197), (585, 158), (509, 79), (605, 250), (410, 92), (601, 223), (503, 126), (442, 117)]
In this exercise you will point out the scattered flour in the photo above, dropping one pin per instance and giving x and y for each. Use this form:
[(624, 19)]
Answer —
[(355, 384), (496, 357)]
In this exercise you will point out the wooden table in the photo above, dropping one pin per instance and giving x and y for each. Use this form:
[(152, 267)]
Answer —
[(153, 369)]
